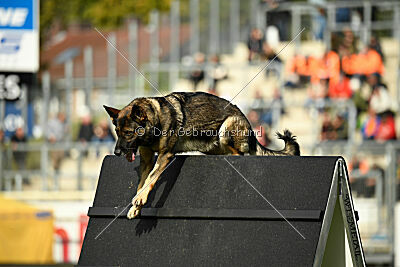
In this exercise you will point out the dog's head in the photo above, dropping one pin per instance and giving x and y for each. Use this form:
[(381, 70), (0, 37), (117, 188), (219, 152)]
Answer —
[(130, 123)]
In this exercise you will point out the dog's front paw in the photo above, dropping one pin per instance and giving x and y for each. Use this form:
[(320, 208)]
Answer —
[(134, 211), (137, 202), (141, 198)]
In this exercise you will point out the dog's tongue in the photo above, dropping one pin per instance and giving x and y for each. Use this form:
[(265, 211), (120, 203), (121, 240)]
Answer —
[(133, 156)]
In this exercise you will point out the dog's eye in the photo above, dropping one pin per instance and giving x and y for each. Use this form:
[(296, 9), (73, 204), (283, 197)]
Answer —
[(128, 133)]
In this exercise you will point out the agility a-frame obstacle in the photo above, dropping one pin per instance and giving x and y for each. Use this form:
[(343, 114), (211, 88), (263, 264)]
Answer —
[(202, 212), (339, 217)]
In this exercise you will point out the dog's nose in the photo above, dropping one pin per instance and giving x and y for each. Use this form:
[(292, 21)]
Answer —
[(117, 152)]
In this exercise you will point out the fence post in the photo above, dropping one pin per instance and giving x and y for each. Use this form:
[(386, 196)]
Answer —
[(2, 158), (296, 25), (154, 49), (174, 44), (352, 122), (367, 22), (44, 153), (194, 27), (252, 13), (390, 189), (111, 66), (234, 18), (69, 68), (396, 34), (214, 27), (133, 53), (80, 148), (88, 61), (2, 150), (261, 18), (24, 107), (396, 21)]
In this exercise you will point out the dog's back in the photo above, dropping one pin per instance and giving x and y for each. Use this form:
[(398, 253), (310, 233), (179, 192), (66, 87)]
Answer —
[(220, 126)]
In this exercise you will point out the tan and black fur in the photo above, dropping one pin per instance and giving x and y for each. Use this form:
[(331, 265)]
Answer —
[(225, 131)]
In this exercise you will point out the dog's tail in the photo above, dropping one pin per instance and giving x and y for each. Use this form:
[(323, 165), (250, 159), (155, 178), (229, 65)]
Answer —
[(291, 148)]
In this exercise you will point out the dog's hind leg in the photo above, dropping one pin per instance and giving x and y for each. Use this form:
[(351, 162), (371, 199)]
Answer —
[(233, 150), (233, 135), (141, 197)]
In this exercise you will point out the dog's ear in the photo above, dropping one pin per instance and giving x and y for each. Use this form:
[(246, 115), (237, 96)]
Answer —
[(113, 112), (138, 114)]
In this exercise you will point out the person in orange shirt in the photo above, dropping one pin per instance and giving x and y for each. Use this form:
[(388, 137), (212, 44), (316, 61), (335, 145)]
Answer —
[(298, 71), (373, 62), (332, 66), (315, 66)]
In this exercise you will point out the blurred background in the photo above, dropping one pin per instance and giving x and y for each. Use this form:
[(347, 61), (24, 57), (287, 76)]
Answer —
[(336, 87)]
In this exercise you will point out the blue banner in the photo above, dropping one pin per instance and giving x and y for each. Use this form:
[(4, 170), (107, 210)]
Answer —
[(18, 14), (13, 118)]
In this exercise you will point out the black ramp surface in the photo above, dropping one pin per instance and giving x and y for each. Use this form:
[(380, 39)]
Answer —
[(288, 183)]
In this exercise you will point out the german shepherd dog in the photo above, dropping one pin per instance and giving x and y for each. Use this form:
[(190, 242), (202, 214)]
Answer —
[(183, 122)]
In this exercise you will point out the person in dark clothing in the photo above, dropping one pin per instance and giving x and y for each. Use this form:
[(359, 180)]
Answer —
[(275, 65), (19, 156), (376, 45), (217, 73), (255, 44), (197, 74), (86, 131)]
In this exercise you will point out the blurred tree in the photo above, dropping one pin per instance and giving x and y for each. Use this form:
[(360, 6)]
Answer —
[(106, 14), (111, 13)]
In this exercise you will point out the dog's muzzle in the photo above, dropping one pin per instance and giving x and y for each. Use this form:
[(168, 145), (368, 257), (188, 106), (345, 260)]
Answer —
[(117, 152), (129, 154)]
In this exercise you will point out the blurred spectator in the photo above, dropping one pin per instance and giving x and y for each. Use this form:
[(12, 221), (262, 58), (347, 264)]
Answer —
[(320, 21), (275, 64), (361, 167), (275, 108), (387, 128), (318, 95), (255, 44), (259, 130), (370, 126), (298, 73), (336, 129), (380, 100), (86, 132), (258, 101), (2, 155), (363, 64), (349, 41), (376, 45), (279, 18), (197, 74), (327, 127), (2, 137), (341, 89), (103, 133), (370, 182), (359, 96), (19, 156), (340, 127), (56, 132), (217, 73), (330, 68), (373, 63)]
